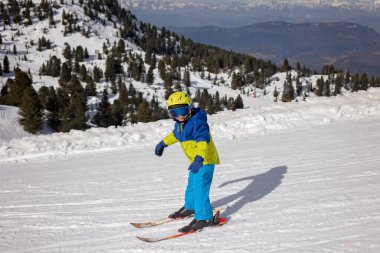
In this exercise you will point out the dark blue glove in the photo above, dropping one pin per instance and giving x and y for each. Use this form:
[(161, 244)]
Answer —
[(160, 148), (196, 164)]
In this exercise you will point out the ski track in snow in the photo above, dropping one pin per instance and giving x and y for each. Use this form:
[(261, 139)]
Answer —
[(298, 179)]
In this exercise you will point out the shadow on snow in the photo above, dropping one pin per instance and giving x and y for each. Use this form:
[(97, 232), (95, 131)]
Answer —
[(260, 186)]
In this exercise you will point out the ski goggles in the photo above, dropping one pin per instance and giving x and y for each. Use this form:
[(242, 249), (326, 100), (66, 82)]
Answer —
[(183, 110)]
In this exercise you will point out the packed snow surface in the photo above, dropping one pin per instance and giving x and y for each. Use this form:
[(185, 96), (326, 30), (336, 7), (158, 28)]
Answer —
[(299, 177)]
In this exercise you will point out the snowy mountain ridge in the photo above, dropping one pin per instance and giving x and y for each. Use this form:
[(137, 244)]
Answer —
[(96, 35), (102, 32)]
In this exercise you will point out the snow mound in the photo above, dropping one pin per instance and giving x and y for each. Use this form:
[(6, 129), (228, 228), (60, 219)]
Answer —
[(224, 125)]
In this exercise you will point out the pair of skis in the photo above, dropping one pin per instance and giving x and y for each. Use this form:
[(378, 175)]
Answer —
[(221, 222)]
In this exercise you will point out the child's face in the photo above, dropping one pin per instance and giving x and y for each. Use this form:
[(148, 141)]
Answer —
[(181, 118)]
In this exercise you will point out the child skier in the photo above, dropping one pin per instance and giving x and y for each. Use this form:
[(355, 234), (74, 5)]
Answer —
[(192, 131)]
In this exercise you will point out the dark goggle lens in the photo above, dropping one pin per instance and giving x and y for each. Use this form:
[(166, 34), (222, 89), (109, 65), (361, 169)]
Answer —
[(184, 111)]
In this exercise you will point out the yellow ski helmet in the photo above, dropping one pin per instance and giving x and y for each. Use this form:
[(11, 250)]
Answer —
[(178, 98)]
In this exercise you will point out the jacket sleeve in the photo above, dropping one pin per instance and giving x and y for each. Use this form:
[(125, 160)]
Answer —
[(201, 134), (170, 139)]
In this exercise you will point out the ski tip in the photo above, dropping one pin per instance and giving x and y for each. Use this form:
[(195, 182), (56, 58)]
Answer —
[(138, 225), (143, 239), (146, 239), (222, 221)]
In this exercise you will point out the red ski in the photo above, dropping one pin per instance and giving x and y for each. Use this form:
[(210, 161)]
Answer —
[(222, 221)]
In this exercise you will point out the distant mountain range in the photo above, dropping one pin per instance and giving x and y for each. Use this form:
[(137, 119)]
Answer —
[(234, 13), (312, 32), (252, 4), (347, 45)]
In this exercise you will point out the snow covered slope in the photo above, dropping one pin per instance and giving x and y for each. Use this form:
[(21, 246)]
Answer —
[(298, 179)]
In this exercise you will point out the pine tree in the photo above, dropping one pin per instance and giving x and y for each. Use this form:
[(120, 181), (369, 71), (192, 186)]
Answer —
[(150, 76), (51, 19), (355, 83), (327, 88), (298, 86), (15, 11), (72, 102), (67, 52), (143, 112), (347, 80), (52, 108), (53, 67), (148, 57), (363, 84), (65, 75), (86, 55), (113, 87), (186, 78), (372, 83), (63, 103), (6, 65), (79, 54), (103, 116), (235, 81), (154, 61), (320, 84), (39, 45), (4, 93), (123, 95), (31, 112), (209, 104), (110, 72), (338, 84), (78, 103), (121, 46), (377, 82), (43, 95), (162, 69), (298, 68), (288, 92), (90, 88), (285, 66), (83, 72), (218, 103), (97, 74), (239, 104), (76, 67), (231, 104), (117, 113), (168, 80), (17, 87), (6, 18)]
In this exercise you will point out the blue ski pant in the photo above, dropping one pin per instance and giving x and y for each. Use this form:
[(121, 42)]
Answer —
[(197, 192)]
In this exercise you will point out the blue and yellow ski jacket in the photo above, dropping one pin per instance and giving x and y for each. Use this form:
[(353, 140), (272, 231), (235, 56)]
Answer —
[(195, 138)]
